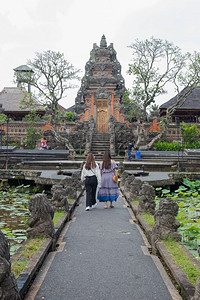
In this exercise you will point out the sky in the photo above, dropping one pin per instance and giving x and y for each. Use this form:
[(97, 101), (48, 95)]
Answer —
[(72, 26)]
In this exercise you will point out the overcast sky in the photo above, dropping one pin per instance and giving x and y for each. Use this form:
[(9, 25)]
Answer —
[(72, 26)]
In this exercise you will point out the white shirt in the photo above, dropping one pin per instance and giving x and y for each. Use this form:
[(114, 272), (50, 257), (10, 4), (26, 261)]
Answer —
[(91, 172)]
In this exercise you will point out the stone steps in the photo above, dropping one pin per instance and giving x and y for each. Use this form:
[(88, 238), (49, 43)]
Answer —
[(100, 143)]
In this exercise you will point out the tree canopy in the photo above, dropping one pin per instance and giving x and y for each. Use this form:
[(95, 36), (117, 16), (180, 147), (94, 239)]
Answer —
[(52, 75), (155, 63)]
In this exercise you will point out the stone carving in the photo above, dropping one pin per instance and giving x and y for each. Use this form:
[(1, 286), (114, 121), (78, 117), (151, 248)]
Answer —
[(59, 198), (197, 291), (135, 187), (41, 221), (101, 93), (73, 185), (123, 179), (166, 224), (8, 285), (120, 168), (146, 198), (103, 43)]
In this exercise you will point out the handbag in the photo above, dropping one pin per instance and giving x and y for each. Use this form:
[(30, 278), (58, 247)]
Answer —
[(115, 178)]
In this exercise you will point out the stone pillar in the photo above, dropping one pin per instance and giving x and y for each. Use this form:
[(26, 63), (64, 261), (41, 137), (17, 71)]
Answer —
[(112, 105), (92, 105), (86, 115)]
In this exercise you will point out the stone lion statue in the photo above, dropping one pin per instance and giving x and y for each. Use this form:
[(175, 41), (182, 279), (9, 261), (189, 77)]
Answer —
[(8, 285), (41, 221)]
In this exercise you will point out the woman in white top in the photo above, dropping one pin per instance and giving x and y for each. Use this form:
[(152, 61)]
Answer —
[(92, 177)]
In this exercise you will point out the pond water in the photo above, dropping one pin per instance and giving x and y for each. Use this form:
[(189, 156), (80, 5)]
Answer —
[(14, 214)]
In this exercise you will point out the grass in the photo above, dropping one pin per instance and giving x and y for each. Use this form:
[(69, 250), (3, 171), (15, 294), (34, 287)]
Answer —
[(183, 260), (29, 250), (135, 201), (57, 216), (148, 218)]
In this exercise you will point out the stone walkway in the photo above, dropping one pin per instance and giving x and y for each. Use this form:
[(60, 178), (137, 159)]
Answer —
[(102, 255)]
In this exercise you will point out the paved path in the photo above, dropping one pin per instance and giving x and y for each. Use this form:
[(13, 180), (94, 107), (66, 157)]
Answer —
[(102, 256)]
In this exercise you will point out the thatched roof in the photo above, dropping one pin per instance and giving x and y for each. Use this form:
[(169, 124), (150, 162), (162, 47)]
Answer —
[(10, 98), (192, 101)]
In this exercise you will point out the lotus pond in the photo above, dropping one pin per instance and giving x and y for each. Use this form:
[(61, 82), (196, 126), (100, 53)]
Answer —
[(14, 213), (188, 199)]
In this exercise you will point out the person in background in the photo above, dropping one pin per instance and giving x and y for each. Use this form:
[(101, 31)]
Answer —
[(129, 148), (109, 190), (43, 143), (91, 176)]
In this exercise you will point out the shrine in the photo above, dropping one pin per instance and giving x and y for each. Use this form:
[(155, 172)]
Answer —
[(102, 88)]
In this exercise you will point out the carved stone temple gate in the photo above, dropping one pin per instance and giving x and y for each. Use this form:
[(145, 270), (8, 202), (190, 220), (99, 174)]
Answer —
[(102, 88)]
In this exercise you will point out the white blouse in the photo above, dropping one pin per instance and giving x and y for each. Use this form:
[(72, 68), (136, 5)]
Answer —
[(91, 172)]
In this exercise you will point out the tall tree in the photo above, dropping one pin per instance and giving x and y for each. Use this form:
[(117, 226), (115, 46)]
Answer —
[(155, 63), (52, 75)]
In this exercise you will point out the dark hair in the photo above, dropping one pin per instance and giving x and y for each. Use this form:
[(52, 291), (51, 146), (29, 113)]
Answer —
[(106, 160), (90, 162)]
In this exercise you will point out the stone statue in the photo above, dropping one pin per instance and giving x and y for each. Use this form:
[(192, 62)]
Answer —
[(166, 224), (120, 168), (134, 188), (127, 183), (197, 291), (41, 221), (123, 178), (146, 199), (8, 285), (59, 198)]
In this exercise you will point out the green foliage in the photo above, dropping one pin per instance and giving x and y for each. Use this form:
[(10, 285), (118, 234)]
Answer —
[(131, 107), (190, 133), (187, 197), (183, 260), (32, 135), (14, 213), (148, 218), (27, 253), (70, 116), (175, 146), (3, 118), (11, 142), (57, 216), (32, 117), (165, 146), (18, 266)]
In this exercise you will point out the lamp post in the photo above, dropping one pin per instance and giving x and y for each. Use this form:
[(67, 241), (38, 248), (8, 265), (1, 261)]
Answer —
[(7, 121), (177, 120), (1, 124)]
